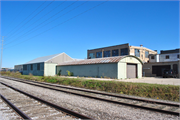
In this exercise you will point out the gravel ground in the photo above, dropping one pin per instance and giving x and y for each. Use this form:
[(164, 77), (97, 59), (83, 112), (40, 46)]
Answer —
[(7, 113), (90, 107)]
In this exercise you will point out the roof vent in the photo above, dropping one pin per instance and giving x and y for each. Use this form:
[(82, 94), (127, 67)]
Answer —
[(141, 45)]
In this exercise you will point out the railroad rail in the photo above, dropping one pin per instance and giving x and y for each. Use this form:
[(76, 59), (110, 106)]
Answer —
[(17, 110), (34, 107), (153, 105)]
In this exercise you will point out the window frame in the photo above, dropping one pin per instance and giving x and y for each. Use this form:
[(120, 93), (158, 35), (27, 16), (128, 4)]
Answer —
[(146, 54), (106, 53), (31, 67), (138, 52), (97, 54), (167, 57), (124, 51), (117, 52), (90, 56), (152, 57), (38, 66)]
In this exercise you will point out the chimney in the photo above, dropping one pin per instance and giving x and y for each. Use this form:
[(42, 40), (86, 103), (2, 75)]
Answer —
[(141, 45)]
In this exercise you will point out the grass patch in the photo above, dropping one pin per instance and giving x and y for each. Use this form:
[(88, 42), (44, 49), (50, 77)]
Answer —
[(155, 91)]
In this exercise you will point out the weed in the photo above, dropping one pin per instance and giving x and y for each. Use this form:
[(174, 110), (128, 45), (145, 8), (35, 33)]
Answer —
[(155, 91)]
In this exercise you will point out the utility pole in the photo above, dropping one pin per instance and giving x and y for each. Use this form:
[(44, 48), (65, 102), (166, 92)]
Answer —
[(1, 53)]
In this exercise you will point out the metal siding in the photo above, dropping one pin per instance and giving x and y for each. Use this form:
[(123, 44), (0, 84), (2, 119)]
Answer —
[(96, 70)]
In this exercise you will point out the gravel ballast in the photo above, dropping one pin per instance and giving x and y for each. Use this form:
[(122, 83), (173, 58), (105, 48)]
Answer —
[(90, 107)]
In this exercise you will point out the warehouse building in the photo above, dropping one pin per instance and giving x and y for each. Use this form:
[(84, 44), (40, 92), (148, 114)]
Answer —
[(112, 67), (166, 60), (43, 66), (120, 50)]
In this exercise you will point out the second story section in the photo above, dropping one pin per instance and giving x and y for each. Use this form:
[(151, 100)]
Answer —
[(121, 50), (166, 56), (112, 51), (142, 52)]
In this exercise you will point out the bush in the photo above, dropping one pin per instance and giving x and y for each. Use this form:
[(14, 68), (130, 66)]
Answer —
[(70, 73), (59, 73)]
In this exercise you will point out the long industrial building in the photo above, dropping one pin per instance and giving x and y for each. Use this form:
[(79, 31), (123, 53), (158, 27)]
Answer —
[(43, 66), (119, 67)]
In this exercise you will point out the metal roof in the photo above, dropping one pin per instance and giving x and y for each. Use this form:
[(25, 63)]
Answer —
[(94, 61), (42, 59)]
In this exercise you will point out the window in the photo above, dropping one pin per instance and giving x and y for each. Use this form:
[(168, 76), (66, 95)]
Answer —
[(124, 51), (167, 56), (91, 55), (152, 57), (137, 52), (99, 55), (32, 67), (38, 66), (24, 67), (107, 53), (141, 56), (146, 54), (177, 56), (115, 52)]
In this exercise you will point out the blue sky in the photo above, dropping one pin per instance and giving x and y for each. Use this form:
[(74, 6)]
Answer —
[(33, 31)]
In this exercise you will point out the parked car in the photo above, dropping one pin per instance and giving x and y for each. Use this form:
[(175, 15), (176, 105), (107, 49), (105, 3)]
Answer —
[(169, 73)]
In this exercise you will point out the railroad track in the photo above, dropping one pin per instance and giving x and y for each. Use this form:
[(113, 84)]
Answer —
[(153, 105), (31, 107)]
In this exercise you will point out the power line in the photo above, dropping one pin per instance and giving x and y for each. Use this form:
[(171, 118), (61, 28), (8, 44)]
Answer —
[(16, 16), (42, 17), (61, 23), (44, 22), (27, 17), (33, 17)]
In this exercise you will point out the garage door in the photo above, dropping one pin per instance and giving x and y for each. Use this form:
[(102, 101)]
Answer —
[(131, 70), (159, 69)]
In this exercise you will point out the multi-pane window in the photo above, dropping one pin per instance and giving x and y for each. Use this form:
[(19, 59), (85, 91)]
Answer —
[(31, 66), (91, 55), (115, 52), (177, 56), (137, 52), (38, 66), (146, 54), (124, 51), (107, 53), (24, 67), (99, 55), (152, 57), (167, 56)]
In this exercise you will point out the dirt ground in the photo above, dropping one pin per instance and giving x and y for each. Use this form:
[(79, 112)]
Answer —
[(153, 80)]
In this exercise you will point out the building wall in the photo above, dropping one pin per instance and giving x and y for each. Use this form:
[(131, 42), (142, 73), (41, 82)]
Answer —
[(122, 67), (162, 57), (34, 71), (147, 67), (119, 47), (172, 57), (92, 70), (60, 59), (49, 69), (142, 52), (18, 67)]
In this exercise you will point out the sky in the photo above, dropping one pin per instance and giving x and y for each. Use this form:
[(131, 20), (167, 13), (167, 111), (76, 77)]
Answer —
[(39, 28)]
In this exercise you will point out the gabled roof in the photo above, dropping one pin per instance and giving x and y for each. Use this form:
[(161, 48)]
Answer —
[(43, 59), (97, 60)]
